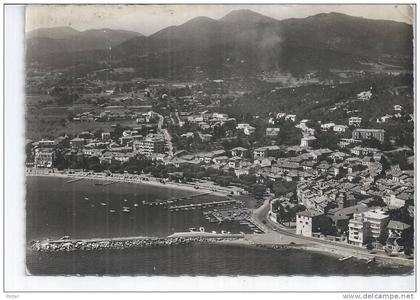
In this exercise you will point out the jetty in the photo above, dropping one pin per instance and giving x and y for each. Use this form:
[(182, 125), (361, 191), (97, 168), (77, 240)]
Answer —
[(105, 183), (201, 205), (345, 258), (171, 201), (75, 180), (67, 244)]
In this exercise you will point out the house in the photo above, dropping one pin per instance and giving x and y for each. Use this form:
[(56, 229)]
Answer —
[(290, 118), (242, 126), (234, 162), (45, 144), (308, 141), (266, 151), (272, 131), (239, 152), (340, 128), (220, 159), (327, 126), (307, 222), (345, 143), (205, 137), (398, 235), (241, 171), (398, 108), (384, 119), (398, 200), (77, 143), (355, 121), (249, 130), (364, 96), (106, 136), (320, 153), (188, 135)]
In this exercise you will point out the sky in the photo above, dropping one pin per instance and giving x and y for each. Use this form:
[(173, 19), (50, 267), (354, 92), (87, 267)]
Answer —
[(148, 19)]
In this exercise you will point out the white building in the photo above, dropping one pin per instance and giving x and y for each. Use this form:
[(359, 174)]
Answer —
[(149, 145), (307, 142), (306, 221), (369, 225), (340, 128), (327, 126), (355, 121), (44, 158)]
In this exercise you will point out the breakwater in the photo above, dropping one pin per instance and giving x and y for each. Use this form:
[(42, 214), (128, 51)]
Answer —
[(181, 238)]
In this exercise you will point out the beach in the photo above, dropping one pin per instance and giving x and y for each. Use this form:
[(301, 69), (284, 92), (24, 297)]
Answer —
[(132, 178)]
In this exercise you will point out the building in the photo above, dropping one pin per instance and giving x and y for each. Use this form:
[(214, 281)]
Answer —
[(106, 136), (290, 118), (365, 134), (340, 128), (239, 152), (357, 231), (355, 121), (266, 151), (44, 158), (149, 145), (77, 143), (369, 226), (249, 130), (307, 142), (327, 126), (272, 131), (306, 222), (398, 108), (45, 143)]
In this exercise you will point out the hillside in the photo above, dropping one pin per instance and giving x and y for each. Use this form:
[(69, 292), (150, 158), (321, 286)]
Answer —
[(247, 41), (47, 41)]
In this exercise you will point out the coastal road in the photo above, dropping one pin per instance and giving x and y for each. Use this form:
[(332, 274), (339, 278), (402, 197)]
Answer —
[(278, 234)]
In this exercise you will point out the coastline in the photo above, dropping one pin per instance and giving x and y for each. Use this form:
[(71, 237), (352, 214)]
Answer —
[(123, 179), (250, 240)]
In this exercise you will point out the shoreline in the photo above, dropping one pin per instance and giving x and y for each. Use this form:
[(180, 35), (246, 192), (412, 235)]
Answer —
[(250, 240), (120, 179)]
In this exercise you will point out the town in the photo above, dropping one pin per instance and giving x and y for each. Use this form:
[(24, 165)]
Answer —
[(336, 170)]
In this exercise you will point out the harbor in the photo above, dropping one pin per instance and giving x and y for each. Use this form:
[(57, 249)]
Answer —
[(235, 214)]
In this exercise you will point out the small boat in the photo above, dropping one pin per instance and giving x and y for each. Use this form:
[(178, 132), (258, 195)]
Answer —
[(112, 210), (135, 205), (126, 209), (125, 200), (193, 229), (103, 203), (86, 198)]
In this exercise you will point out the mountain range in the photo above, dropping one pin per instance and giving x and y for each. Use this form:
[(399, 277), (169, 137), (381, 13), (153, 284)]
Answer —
[(241, 39), (46, 41)]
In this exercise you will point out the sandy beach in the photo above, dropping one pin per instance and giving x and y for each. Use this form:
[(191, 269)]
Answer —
[(135, 179)]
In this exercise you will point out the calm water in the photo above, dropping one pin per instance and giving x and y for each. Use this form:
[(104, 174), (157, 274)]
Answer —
[(56, 208)]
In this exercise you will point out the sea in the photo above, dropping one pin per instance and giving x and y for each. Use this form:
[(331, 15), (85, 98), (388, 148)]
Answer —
[(86, 209)]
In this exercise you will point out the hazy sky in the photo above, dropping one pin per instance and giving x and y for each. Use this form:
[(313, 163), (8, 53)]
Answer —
[(148, 19)]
